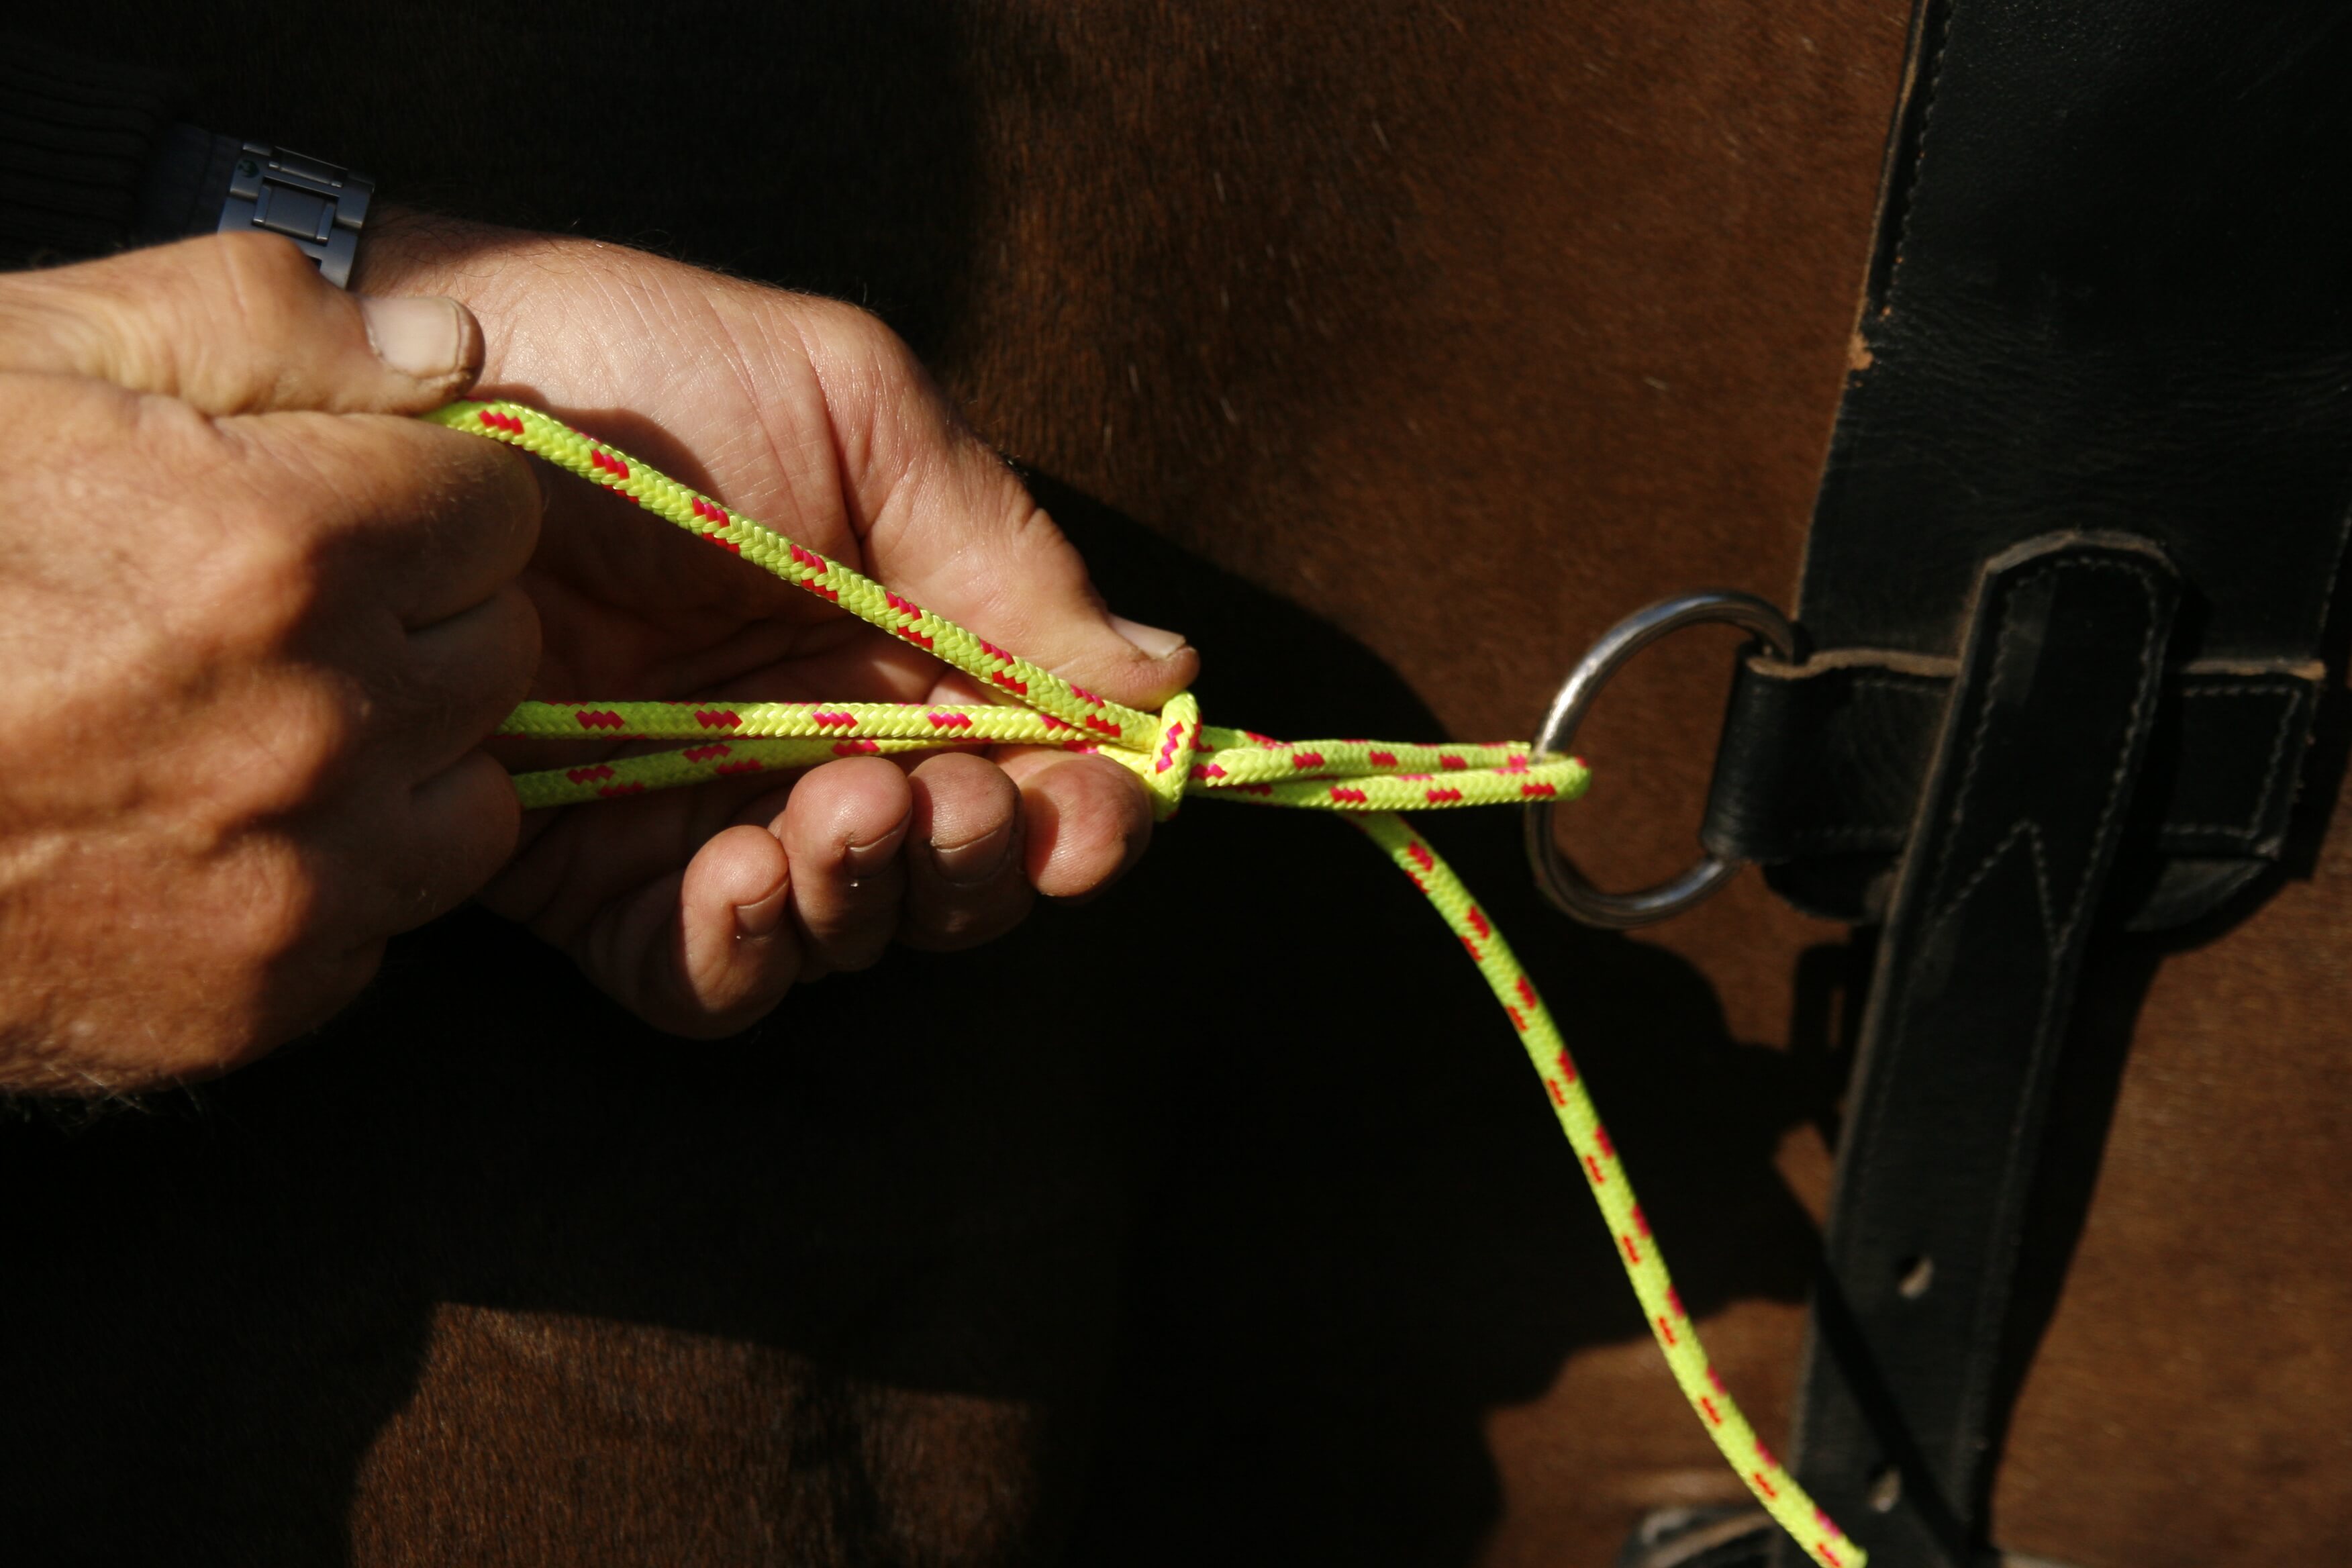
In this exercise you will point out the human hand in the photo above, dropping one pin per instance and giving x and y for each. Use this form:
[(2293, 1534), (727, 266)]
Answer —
[(700, 909), (255, 630)]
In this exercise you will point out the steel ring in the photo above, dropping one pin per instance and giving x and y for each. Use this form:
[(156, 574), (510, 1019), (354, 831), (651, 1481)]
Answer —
[(1561, 882)]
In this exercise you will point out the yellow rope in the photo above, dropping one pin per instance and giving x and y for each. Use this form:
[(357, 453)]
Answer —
[(1175, 755)]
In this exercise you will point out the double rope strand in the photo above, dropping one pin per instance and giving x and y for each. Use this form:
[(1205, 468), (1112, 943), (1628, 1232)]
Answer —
[(1175, 755)]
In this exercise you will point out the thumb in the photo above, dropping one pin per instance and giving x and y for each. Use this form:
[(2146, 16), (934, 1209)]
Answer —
[(951, 525), (238, 323), (997, 562)]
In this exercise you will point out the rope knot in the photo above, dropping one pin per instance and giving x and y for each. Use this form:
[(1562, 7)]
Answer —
[(1171, 757), (1170, 752)]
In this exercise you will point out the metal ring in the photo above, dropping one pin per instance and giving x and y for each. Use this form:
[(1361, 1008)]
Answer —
[(1561, 882)]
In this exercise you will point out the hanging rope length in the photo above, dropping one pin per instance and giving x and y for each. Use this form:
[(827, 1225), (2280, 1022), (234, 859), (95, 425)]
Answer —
[(1175, 755)]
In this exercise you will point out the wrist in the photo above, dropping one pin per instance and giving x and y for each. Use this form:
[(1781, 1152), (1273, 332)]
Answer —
[(504, 276), (412, 251)]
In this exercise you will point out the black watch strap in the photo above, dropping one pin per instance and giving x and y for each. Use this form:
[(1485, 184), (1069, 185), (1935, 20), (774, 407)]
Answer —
[(320, 207), (199, 182), (92, 160)]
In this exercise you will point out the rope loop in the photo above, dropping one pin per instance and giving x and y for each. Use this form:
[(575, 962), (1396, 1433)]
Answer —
[(1175, 755), (1171, 762)]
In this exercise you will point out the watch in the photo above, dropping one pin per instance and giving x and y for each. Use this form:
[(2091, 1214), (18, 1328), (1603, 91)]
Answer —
[(320, 207)]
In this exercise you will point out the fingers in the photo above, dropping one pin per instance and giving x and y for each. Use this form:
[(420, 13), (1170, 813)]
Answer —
[(842, 830), (816, 879), (707, 952), (238, 323), (461, 828), (465, 675), (951, 525), (395, 513), (1087, 821), (220, 610), (965, 875), (808, 883)]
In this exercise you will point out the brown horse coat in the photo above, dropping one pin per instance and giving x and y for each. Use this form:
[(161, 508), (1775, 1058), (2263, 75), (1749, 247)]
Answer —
[(1391, 352)]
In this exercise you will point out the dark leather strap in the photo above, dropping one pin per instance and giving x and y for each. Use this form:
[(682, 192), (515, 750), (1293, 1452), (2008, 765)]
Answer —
[(2065, 590), (2050, 714), (2111, 290), (1830, 757)]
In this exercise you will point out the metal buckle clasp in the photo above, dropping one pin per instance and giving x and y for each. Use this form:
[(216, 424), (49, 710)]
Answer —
[(320, 207), (1561, 882)]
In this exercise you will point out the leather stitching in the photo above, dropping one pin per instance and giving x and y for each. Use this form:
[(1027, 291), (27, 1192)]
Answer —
[(1991, 1303), (2328, 600), (1988, 1295), (2253, 825), (1889, 835), (1908, 684), (1944, 908), (2031, 831), (1930, 81)]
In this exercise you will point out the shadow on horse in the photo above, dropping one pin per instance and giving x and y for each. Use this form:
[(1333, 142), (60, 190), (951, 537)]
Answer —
[(1392, 352)]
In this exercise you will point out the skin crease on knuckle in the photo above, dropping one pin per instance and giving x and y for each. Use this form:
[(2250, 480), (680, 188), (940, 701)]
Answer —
[(250, 291), (845, 830), (279, 299), (1086, 822), (213, 318), (367, 503), (966, 879), (164, 325)]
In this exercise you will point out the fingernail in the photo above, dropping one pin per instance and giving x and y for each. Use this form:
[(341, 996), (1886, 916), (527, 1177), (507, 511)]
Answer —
[(759, 919), (1153, 640), (865, 859), (423, 337), (972, 864)]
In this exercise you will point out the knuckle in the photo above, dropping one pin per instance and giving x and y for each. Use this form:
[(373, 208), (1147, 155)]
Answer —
[(274, 913), (312, 489), (420, 491), (213, 315), (256, 593), (504, 675), (281, 916), (844, 323), (267, 284), (296, 747), (502, 488), (286, 533), (886, 364), (483, 838)]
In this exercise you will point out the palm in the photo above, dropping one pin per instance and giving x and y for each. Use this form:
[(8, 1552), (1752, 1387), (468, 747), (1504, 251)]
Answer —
[(809, 417), (631, 607)]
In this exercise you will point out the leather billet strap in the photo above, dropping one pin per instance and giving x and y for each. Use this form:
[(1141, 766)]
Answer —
[(2049, 718), (2064, 596)]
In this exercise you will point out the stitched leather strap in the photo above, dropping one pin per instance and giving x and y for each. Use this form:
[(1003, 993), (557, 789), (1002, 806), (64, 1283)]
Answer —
[(2050, 715), (1829, 762), (2108, 294)]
